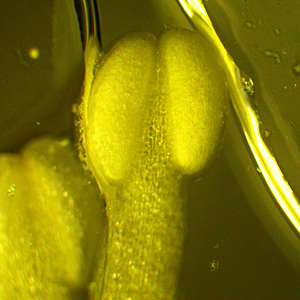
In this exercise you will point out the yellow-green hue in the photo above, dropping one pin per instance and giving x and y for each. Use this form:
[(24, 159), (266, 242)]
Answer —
[(196, 97), (119, 105), (146, 223), (249, 119), (51, 221), (155, 111), (182, 68)]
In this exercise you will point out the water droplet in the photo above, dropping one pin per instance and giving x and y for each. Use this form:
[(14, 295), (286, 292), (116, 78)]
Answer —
[(258, 170), (65, 194), (38, 123), (11, 190)]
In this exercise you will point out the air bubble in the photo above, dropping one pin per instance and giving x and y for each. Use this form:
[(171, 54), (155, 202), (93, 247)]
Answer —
[(248, 85)]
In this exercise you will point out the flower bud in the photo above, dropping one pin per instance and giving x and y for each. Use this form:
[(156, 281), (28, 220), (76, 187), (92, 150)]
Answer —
[(153, 110), (180, 73)]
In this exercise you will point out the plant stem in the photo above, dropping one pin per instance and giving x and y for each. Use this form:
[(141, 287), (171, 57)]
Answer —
[(146, 226)]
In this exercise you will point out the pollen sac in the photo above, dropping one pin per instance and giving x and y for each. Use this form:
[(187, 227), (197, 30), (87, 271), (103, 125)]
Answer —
[(118, 106), (51, 222), (180, 71), (196, 98)]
